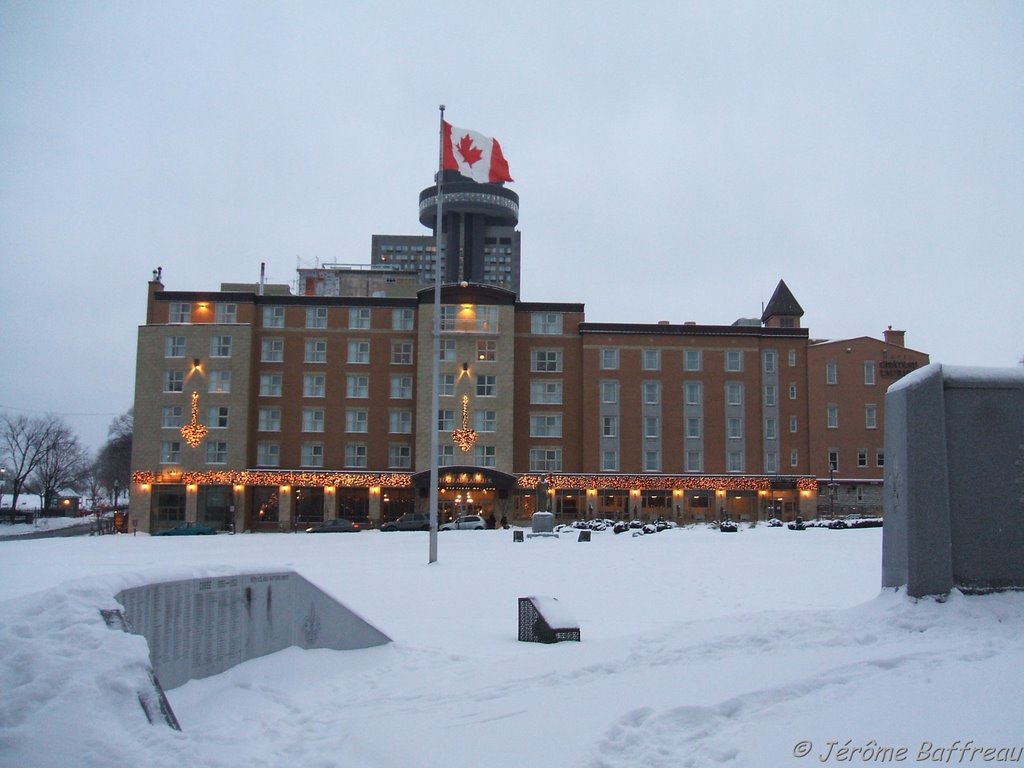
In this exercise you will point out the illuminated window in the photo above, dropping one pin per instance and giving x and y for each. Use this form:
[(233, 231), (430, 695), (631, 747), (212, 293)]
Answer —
[(486, 350)]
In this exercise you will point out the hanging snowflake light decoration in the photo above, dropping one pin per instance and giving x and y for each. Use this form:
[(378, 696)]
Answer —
[(194, 432), (463, 436)]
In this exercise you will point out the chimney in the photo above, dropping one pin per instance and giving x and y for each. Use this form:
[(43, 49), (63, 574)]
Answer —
[(894, 338)]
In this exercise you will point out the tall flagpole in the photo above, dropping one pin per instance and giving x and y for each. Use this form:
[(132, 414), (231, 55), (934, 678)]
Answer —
[(435, 399)]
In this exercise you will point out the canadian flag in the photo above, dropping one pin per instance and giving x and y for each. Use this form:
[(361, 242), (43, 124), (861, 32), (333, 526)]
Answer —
[(472, 154)]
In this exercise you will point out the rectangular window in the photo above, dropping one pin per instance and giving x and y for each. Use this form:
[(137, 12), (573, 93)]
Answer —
[(794, 458), (734, 360), (269, 419), (170, 452), (546, 392), (485, 456), (356, 420), (446, 351), (311, 455), (226, 314), (358, 318), (399, 456), (771, 429), (652, 392), (313, 419), (401, 387), (652, 461), (446, 385), (734, 428), (217, 417), (181, 312), (693, 427), (832, 417), (216, 452), (609, 460), (486, 385), (792, 391), (272, 351), (315, 351), (485, 421), (771, 396), (171, 417), (879, 458), (273, 317), (546, 361), (862, 457), (545, 425), (446, 455), (316, 317), (314, 385), (445, 420), (545, 459), (652, 427), (869, 372), (770, 361), (220, 382), (546, 323), (792, 424), (871, 417), (734, 393), (692, 392), (792, 358), (270, 385), (486, 350), (833, 460), (357, 386), (401, 353), (268, 454), (402, 319), (400, 421), (771, 462), (694, 461), (174, 381), (609, 358), (609, 391), (692, 360), (359, 351), (355, 455), (174, 346), (831, 372), (609, 426), (734, 461), (652, 360)]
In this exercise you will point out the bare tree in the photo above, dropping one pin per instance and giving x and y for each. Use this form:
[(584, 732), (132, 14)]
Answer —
[(65, 464), (113, 467), (23, 444)]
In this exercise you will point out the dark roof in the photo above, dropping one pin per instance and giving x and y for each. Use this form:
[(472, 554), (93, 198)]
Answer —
[(782, 302)]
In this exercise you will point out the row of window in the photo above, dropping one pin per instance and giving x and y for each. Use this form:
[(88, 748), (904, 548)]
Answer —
[(693, 359), (832, 372), (862, 458)]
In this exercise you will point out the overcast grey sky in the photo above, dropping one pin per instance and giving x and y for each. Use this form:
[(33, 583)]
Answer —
[(673, 160)]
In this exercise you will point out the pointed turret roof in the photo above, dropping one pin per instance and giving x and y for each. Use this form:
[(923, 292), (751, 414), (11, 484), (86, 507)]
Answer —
[(782, 302)]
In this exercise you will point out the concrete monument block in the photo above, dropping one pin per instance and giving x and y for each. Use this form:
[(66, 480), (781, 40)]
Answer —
[(954, 481)]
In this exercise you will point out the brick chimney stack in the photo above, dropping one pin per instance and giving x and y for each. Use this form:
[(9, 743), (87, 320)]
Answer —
[(894, 338)]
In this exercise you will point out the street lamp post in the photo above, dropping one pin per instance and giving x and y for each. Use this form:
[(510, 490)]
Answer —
[(116, 488), (831, 493)]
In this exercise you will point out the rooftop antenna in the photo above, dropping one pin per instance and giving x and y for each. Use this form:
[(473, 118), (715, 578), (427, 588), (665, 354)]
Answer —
[(263, 276)]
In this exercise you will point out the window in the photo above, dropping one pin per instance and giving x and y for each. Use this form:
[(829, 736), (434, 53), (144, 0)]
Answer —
[(833, 460), (869, 372), (402, 319), (273, 317), (356, 420), (316, 317), (545, 425), (609, 460), (609, 426), (792, 424), (216, 452), (695, 461), (312, 419), (446, 455), (268, 454), (734, 393), (486, 385), (609, 358), (270, 385), (792, 391), (832, 416), (692, 360), (546, 360), (400, 421), (792, 358), (359, 351), (311, 455), (446, 353), (399, 456), (862, 457), (794, 458), (401, 352), (225, 313), (693, 427), (486, 350), (315, 351), (546, 392), (771, 462), (692, 392), (734, 428), (314, 385), (734, 360), (219, 382), (652, 461), (734, 461), (879, 458), (217, 417), (446, 385), (771, 396), (174, 346), (358, 318), (174, 381), (609, 391), (871, 417), (770, 361), (831, 372), (546, 323), (445, 420), (401, 387), (652, 360), (357, 386), (171, 417), (771, 429), (272, 351), (485, 421), (652, 427), (170, 452), (652, 392), (545, 459), (181, 312), (269, 420), (355, 454), (485, 456)]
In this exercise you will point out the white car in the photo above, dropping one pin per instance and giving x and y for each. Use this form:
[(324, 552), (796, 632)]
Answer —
[(464, 523)]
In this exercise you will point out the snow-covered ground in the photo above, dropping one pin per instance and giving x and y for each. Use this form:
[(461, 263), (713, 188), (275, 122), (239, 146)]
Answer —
[(42, 524), (763, 648)]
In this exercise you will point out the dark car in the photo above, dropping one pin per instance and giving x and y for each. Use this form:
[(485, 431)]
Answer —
[(187, 529), (410, 521), (338, 525)]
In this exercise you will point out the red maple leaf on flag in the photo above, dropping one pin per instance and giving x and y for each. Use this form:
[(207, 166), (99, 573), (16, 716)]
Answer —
[(470, 154)]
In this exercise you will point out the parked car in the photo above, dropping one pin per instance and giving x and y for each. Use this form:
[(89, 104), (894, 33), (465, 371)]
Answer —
[(338, 525), (187, 529), (465, 523), (410, 521)]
